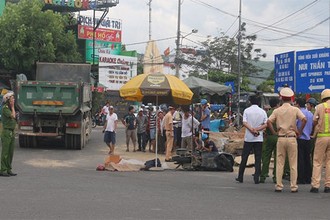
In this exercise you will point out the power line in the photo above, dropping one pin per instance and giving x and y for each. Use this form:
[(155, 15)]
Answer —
[(215, 8), (274, 45), (231, 26), (255, 23), (144, 42), (295, 34), (288, 16)]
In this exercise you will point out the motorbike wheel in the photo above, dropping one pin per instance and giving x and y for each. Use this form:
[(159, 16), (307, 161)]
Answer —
[(226, 163), (93, 124)]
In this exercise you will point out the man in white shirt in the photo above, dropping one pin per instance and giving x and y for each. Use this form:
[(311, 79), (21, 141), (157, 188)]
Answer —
[(105, 112), (188, 124), (255, 120), (109, 130)]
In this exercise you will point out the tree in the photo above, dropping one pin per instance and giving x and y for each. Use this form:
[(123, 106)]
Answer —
[(218, 58), (30, 35), (269, 84)]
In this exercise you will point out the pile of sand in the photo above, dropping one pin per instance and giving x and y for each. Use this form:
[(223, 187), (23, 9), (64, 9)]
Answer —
[(230, 142)]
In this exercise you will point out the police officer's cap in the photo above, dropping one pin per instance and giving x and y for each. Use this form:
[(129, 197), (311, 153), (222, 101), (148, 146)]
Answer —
[(325, 94), (286, 92)]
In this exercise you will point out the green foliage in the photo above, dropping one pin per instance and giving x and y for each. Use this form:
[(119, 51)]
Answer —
[(139, 68), (269, 84), (30, 35), (266, 86), (98, 100)]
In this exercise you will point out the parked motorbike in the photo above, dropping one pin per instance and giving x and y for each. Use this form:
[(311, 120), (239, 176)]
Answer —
[(97, 120)]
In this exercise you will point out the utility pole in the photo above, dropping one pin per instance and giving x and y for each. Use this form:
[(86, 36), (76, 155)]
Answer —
[(239, 60), (177, 54), (149, 4), (94, 29)]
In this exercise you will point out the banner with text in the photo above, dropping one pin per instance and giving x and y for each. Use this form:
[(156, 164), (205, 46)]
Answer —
[(114, 70), (284, 70), (106, 23), (86, 32), (313, 70), (114, 48)]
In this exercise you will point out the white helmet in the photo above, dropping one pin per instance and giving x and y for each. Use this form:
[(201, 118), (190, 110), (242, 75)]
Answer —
[(7, 96), (325, 94)]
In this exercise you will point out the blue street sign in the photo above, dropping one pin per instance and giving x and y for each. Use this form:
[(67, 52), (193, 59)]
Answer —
[(284, 70), (232, 85), (313, 70)]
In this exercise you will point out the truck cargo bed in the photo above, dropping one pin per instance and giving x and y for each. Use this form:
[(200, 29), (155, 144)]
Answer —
[(48, 97)]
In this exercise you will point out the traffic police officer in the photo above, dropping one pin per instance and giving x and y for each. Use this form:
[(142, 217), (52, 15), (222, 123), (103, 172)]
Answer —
[(287, 132), (321, 121), (8, 136)]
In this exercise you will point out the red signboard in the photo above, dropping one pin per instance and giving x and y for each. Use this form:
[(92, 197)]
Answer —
[(86, 32)]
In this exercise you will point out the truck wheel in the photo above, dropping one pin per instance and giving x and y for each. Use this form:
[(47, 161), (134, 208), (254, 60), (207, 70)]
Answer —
[(33, 141), (78, 142), (22, 139), (68, 140)]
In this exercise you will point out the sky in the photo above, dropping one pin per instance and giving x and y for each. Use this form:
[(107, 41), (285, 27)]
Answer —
[(280, 25)]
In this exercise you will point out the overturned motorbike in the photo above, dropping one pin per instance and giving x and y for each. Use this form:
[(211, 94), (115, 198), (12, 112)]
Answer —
[(198, 161)]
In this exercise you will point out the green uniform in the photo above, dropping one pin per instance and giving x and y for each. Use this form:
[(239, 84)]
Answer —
[(7, 139), (268, 147)]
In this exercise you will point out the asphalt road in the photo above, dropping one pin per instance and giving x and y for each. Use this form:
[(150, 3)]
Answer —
[(63, 184)]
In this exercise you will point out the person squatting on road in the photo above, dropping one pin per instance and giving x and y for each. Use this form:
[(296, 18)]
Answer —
[(254, 119), (209, 150), (304, 145), (129, 121), (168, 125), (141, 122), (8, 134), (321, 121), (269, 145), (287, 132), (109, 130)]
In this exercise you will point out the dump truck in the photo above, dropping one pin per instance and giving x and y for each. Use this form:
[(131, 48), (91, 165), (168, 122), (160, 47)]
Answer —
[(56, 105)]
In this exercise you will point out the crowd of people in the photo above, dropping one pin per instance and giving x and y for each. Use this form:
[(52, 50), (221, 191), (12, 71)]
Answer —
[(297, 132), (174, 128)]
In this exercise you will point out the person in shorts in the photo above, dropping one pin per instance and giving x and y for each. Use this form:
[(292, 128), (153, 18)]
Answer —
[(109, 129)]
